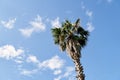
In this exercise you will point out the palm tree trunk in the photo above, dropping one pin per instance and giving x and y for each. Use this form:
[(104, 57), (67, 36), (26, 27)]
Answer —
[(79, 70), (74, 52)]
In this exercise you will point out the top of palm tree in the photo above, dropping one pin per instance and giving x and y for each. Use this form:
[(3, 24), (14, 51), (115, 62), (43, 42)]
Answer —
[(69, 31)]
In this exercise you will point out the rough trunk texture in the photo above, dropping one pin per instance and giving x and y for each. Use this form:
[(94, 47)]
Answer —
[(73, 50), (79, 70)]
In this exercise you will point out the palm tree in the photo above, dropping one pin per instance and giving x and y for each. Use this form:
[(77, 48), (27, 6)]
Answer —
[(72, 37)]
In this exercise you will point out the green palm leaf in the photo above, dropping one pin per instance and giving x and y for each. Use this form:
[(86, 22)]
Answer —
[(68, 31)]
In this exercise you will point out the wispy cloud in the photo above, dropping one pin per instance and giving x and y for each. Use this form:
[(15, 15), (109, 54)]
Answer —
[(28, 72), (69, 71), (54, 63), (27, 31), (36, 25), (56, 23), (29, 60), (83, 5), (67, 74), (32, 59), (9, 52), (18, 61), (89, 13), (57, 72), (90, 27), (8, 24)]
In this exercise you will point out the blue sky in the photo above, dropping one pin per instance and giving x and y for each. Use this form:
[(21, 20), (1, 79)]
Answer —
[(27, 50)]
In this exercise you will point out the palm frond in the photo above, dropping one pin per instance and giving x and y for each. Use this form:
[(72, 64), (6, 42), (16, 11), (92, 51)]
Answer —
[(67, 26), (86, 33), (83, 41), (77, 22), (56, 31), (56, 40), (80, 30), (63, 46)]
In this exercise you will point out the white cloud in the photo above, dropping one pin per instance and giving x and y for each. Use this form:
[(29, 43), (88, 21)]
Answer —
[(54, 63), (89, 13), (90, 27), (28, 60), (36, 26), (27, 32), (28, 72), (8, 24), (86, 10), (68, 73), (58, 78), (18, 61), (9, 52), (32, 59), (56, 23), (56, 72)]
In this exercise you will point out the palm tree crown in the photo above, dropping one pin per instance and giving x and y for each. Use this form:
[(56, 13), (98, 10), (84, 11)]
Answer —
[(70, 31)]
